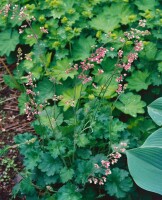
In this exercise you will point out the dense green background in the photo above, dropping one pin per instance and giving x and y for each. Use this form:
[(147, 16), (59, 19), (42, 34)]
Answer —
[(74, 27)]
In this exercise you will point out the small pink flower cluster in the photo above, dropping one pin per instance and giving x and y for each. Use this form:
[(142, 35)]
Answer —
[(43, 30), (106, 164), (138, 46), (31, 107), (88, 64), (22, 14), (19, 56), (120, 53), (136, 34), (21, 29), (70, 103), (98, 55), (100, 181), (132, 56), (6, 10), (28, 56), (142, 23)]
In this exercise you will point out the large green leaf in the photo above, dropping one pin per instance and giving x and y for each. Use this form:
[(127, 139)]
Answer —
[(103, 23), (155, 111), (68, 192), (31, 160), (82, 48), (59, 71), (119, 183), (8, 41), (51, 117), (71, 96), (146, 4), (130, 104), (49, 164), (66, 174), (138, 81), (45, 90), (145, 163)]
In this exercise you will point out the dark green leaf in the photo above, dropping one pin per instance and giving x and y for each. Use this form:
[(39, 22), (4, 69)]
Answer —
[(68, 192), (49, 165), (118, 183)]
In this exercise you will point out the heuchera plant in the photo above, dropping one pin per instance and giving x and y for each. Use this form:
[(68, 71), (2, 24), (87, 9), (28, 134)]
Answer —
[(76, 150)]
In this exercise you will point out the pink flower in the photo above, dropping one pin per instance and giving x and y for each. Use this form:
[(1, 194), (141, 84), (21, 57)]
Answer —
[(120, 53)]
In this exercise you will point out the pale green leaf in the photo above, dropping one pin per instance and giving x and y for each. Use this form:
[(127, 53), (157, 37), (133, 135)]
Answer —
[(60, 70), (23, 98), (138, 81), (155, 111), (130, 104), (51, 117), (145, 163), (70, 97), (105, 24), (146, 4)]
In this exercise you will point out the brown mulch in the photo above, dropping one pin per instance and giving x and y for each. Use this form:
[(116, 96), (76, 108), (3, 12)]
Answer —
[(11, 124)]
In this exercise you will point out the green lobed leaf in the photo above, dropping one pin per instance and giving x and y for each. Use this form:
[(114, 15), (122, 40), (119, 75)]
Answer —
[(49, 165), (11, 82), (31, 159), (45, 88), (9, 40), (103, 23), (56, 148), (70, 97), (81, 48), (66, 174), (84, 170), (146, 4), (51, 117), (145, 163), (138, 81), (82, 140), (68, 192), (119, 183), (149, 52), (155, 111), (59, 71), (130, 104)]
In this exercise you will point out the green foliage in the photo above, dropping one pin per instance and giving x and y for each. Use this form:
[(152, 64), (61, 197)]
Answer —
[(45, 88), (119, 183), (49, 165), (8, 42), (145, 164), (79, 123), (82, 48), (66, 174), (68, 191), (138, 81), (155, 111), (130, 104), (51, 117)]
